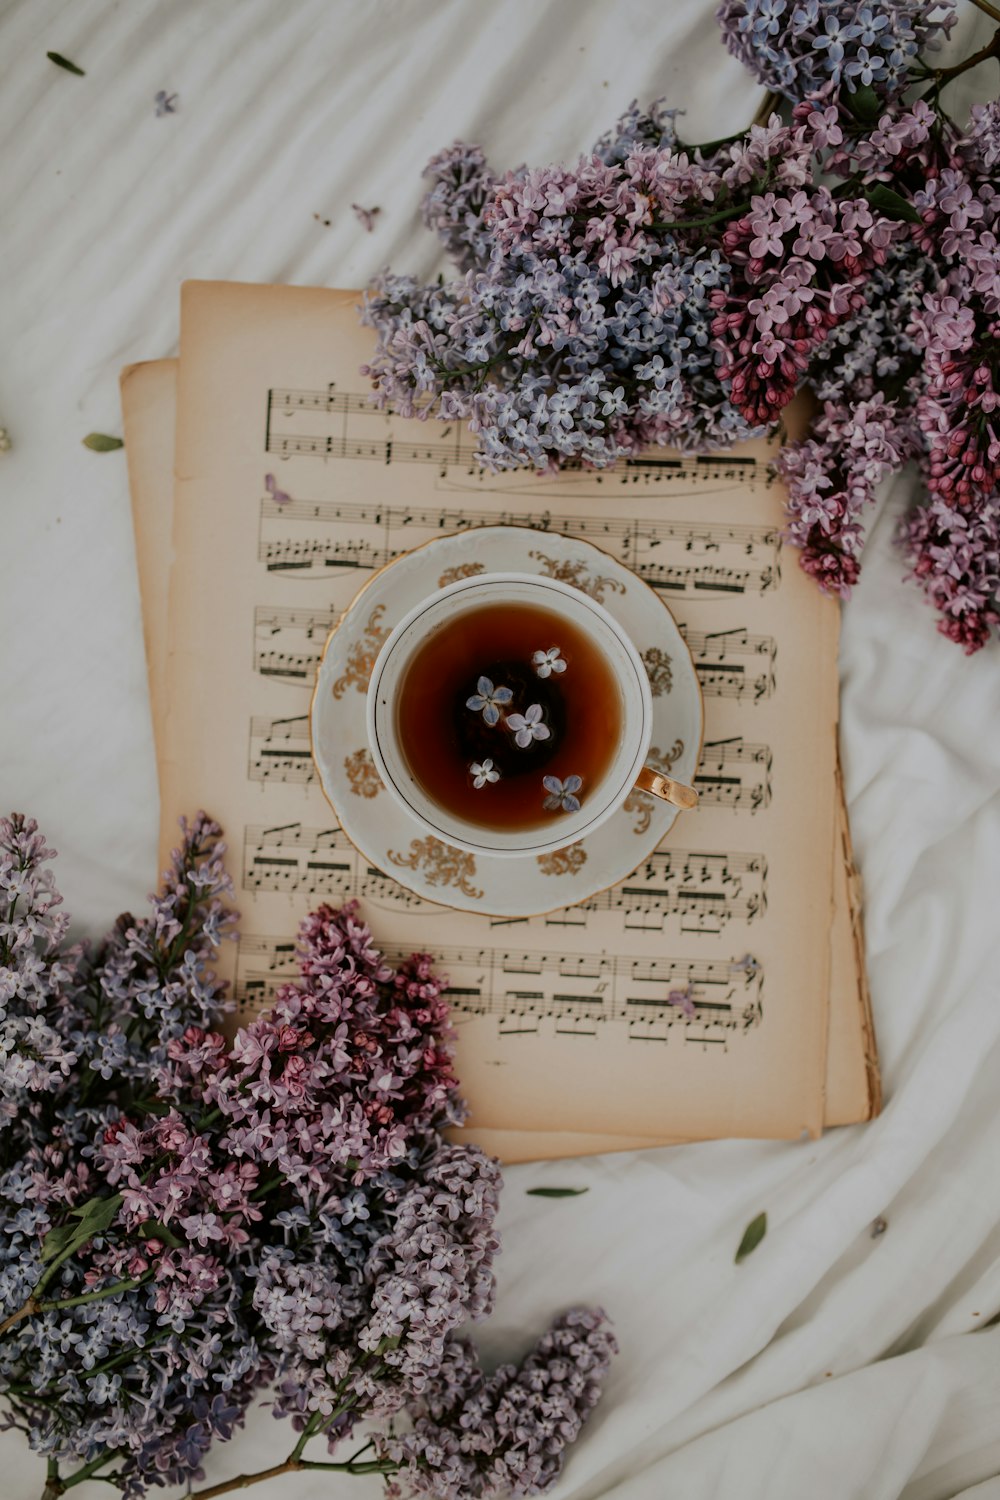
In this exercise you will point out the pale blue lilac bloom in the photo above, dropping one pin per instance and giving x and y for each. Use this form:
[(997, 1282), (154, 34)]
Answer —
[(488, 700), (547, 662), (562, 794), (800, 47), (528, 726)]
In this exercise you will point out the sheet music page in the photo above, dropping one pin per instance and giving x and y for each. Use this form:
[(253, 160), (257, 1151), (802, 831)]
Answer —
[(149, 407), (268, 384)]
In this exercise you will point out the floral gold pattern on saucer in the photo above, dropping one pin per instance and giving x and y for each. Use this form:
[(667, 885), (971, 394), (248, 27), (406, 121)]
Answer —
[(397, 845)]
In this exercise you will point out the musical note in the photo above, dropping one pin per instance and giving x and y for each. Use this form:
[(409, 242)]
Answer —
[(280, 750), (734, 774)]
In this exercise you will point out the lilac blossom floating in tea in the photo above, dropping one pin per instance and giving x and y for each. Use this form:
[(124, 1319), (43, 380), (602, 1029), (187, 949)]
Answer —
[(489, 700), (527, 726), (547, 662), (483, 772), (562, 794)]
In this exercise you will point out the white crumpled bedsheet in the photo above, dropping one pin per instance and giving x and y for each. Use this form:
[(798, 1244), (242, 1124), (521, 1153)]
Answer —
[(830, 1364)]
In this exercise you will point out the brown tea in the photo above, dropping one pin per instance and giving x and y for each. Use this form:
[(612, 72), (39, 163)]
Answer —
[(508, 716)]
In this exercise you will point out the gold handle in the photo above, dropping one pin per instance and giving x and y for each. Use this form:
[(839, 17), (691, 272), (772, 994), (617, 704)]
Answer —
[(659, 785)]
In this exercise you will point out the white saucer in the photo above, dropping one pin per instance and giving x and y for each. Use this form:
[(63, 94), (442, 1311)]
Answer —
[(393, 842)]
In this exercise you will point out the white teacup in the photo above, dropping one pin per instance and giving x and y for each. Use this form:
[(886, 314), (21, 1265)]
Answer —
[(626, 769)]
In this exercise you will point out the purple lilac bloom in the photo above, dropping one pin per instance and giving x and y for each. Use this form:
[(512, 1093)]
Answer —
[(832, 476), (801, 47), (185, 1220), (477, 1436)]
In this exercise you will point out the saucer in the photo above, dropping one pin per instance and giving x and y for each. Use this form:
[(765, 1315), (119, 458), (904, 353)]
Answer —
[(388, 837)]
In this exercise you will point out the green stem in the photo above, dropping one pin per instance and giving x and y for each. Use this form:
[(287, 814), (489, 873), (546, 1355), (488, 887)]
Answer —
[(293, 1465), (942, 76), (107, 1291), (717, 218), (987, 9), (25, 1311), (308, 1431), (89, 1471)]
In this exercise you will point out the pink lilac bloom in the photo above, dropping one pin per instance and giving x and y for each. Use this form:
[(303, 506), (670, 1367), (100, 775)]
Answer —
[(832, 477)]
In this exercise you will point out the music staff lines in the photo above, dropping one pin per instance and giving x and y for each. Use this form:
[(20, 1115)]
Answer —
[(288, 644), (356, 427), (652, 996), (717, 558), (733, 773), (704, 892), (280, 750)]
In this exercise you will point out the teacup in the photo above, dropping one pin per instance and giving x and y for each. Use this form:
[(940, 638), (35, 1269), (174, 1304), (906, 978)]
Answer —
[(511, 715)]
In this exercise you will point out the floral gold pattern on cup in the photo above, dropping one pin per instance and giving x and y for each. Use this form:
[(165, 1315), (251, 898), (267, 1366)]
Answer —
[(361, 773), (641, 803), (658, 670), (440, 864), (577, 575), (361, 658), (569, 861)]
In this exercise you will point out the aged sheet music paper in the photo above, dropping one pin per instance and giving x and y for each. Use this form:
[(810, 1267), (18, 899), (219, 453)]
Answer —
[(149, 408), (853, 1088), (241, 346)]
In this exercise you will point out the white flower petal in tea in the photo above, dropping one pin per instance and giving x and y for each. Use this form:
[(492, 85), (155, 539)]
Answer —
[(547, 662), (483, 772), (528, 726)]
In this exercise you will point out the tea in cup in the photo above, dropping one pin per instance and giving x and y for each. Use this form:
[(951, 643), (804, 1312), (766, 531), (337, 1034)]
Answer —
[(511, 715)]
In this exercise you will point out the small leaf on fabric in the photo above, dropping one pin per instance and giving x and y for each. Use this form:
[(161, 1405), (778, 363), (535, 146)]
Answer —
[(64, 62), (99, 442), (556, 1192), (752, 1236), (893, 205)]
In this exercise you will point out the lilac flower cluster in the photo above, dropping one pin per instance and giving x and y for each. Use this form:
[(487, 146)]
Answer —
[(801, 47), (185, 1220), (477, 1436), (924, 347), (661, 293)]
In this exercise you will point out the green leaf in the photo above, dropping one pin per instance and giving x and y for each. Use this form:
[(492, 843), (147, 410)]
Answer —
[(891, 204), (93, 1217), (152, 1229), (57, 1240), (864, 104), (556, 1192), (752, 1236), (64, 62), (99, 442)]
